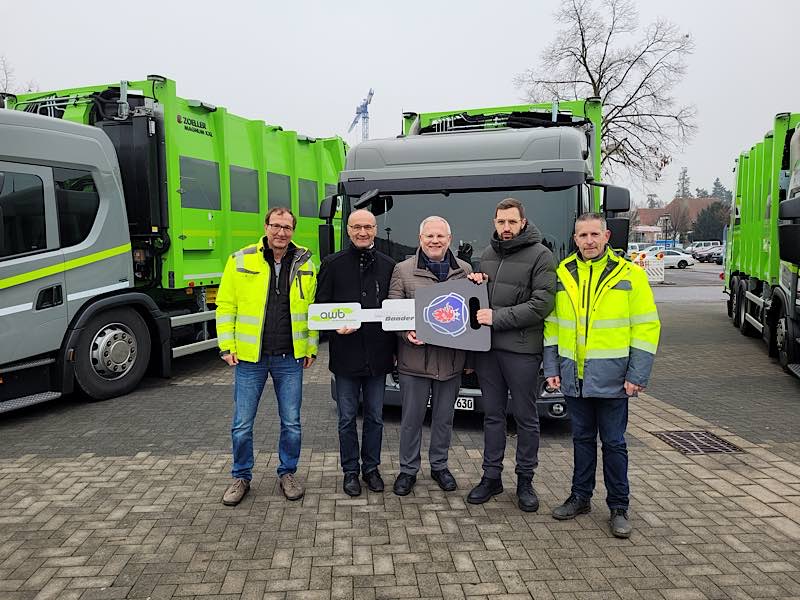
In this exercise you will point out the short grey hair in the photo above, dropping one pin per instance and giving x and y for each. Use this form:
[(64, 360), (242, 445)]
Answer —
[(592, 216), (432, 218)]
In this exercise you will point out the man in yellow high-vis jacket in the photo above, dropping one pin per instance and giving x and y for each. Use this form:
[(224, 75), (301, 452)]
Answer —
[(262, 328), (599, 346)]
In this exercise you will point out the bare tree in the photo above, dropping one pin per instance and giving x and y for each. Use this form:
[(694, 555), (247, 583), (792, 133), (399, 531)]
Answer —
[(595, 54), (6, 75), (679, 221), (653, 201)]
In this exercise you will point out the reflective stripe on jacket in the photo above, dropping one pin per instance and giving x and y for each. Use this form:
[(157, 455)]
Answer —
[(604, 329), (242, 300)]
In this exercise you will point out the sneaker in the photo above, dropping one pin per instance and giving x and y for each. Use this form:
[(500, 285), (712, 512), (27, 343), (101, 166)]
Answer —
[(373, 480), (291, 487), (445, 479), (351, 485), (235, 492), (620, 525), (404, 484), (485, 490), (572, 507), (527, 500)]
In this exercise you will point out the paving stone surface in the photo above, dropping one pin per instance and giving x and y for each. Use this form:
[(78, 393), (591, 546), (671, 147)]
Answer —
[(121, 499)]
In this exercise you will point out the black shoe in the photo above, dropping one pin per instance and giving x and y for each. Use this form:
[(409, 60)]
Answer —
[(485, 490), (373, 481), (404, 484), (620, 525), (351, 485), (572, 507), (527, 499), (445, 480)]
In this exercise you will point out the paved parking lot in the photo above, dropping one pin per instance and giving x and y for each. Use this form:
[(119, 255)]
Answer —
[(121, 499)]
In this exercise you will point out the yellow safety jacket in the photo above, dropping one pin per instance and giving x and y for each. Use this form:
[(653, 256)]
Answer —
[(242, 302), (604, 328)]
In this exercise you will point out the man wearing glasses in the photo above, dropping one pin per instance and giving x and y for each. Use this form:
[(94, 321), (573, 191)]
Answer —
[(521, 278), (262, 327), (360, 358)]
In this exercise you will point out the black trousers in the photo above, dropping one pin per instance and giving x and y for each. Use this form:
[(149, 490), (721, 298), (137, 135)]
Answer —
[(500, 372)]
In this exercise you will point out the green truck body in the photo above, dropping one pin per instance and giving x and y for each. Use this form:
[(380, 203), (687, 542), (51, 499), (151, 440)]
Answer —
[(200, 182), (763, 242), (119, 206)]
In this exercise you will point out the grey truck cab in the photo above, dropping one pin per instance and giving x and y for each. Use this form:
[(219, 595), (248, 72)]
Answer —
[(459, 166)]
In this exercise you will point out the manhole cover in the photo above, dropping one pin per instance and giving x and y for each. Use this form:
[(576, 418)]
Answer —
[(696, 442)]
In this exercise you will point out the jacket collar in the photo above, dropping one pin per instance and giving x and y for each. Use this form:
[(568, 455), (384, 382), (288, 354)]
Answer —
[(448, 256)]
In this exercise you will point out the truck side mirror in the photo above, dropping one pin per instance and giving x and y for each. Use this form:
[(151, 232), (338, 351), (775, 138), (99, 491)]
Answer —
[(618, 227), (789, 233), (616, 199), (326, 239), (2, 180), (327, 208)]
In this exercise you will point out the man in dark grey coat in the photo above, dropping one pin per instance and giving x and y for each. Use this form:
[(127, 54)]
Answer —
[(521, 277)]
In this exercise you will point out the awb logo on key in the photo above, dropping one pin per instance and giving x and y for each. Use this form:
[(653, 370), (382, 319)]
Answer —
[(334, 315), (328, 315)]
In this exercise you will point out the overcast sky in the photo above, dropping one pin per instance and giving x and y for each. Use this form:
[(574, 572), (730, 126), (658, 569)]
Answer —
[(306, 65)]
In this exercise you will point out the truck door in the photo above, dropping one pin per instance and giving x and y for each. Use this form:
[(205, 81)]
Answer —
[(33, 312)]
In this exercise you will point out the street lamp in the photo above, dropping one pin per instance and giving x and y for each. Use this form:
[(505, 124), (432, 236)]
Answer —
[(665, 219)]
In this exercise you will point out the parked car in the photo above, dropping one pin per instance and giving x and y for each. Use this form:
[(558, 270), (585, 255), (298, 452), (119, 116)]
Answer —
[(674, 259), (704, 254), (695, 247), (717, 255), (636, 247)]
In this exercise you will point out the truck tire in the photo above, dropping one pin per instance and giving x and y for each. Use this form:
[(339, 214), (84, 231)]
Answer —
[(786, 332), (112, 353), (745, 327), (733, 301)]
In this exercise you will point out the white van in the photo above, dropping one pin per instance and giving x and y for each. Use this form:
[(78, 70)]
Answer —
[(700, 245)]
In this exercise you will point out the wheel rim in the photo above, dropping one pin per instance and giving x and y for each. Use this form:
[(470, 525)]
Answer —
[(780, 335), (112, 352)]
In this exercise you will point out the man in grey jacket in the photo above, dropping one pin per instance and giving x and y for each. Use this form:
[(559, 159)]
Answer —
[(521, 276), (427, 370)]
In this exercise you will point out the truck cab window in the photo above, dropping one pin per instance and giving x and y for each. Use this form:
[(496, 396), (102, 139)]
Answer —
[(77, 202), (21, 215)]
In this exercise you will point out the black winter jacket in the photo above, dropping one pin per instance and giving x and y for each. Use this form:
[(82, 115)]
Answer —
[(368, 351), (522, 290)]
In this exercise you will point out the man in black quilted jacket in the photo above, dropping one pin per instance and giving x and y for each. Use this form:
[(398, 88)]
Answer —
[(520, 273)]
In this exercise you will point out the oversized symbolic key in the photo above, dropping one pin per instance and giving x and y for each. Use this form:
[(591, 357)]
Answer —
[(394, 315)]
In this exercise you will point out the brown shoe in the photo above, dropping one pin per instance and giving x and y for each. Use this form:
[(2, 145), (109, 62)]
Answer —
[(291, 487), (235, 492)]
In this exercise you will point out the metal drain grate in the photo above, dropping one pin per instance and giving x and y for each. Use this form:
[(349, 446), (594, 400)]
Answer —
[(696, 442)]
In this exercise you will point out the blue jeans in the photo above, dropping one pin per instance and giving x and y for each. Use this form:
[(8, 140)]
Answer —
[(609, 418), (287, 376), (347, 393)]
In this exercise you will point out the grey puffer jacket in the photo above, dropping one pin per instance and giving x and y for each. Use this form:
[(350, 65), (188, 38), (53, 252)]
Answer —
[(522, 290), (435, 362)]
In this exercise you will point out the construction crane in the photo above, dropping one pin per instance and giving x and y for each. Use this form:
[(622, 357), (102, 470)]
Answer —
[(362, 112)]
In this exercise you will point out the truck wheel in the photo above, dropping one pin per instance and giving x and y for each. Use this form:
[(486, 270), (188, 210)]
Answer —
[(733, 301), (745, 327), (112, 353), (682, 264), (786, 332)]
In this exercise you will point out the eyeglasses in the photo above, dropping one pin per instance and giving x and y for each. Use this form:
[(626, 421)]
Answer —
[(276, 228), (365, 228)]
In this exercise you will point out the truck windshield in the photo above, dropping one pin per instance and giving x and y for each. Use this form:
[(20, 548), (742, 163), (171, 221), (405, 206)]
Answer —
[(470, 216)]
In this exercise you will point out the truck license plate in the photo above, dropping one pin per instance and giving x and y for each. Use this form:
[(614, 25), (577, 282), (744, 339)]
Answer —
[(465, 403), (462, 403)]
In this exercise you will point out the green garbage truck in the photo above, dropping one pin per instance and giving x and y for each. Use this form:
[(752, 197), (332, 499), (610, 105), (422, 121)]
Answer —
[(762, 255), (119, 205), (459, 164)]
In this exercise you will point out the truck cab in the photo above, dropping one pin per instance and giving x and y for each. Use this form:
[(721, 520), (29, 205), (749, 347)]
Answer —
[(459, 165)]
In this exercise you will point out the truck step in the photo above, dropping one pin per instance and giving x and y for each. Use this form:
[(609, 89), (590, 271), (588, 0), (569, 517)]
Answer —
[(794, 368), (21, 366), (28, 401)]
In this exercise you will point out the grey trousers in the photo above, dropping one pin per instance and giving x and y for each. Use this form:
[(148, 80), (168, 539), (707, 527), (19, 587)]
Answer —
[(414, 396), (498, 373)]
